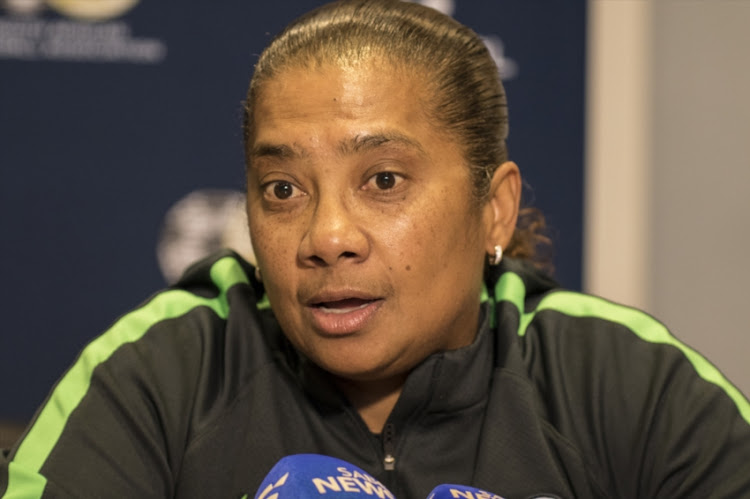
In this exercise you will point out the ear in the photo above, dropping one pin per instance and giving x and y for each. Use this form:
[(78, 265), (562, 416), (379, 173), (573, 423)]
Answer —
[(501, 210)]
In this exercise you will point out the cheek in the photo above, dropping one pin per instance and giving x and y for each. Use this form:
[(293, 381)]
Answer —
[(277, 268), (398, 240), (272, 244), (430, 240), (445, 224)]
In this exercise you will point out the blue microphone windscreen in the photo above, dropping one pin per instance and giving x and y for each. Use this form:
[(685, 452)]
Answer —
[(311, 475), (460, 492)]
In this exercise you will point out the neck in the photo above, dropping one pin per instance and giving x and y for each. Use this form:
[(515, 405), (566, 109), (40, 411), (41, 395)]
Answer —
[(373, 400)]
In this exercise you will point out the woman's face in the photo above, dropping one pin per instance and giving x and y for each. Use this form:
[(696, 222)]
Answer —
[(370, 245)]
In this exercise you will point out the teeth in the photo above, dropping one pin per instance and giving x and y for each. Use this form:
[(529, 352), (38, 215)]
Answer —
[(345, 310)]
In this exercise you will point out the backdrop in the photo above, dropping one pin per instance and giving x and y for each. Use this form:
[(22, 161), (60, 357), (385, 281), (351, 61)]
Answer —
[(121, 156)]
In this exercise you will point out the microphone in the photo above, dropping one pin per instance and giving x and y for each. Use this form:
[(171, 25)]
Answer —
[(452, 491), (301, 476)]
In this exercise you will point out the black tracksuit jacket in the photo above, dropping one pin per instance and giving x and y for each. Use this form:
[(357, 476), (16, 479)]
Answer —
[(197, 393)]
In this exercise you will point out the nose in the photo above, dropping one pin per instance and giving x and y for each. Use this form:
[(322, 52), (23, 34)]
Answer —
[(334, 235)]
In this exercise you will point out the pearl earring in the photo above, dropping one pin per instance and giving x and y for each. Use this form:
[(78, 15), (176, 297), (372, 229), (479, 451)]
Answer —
[(498, 256)]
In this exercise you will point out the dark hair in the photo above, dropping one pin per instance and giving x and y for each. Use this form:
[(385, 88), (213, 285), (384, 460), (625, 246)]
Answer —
[(468, 97)]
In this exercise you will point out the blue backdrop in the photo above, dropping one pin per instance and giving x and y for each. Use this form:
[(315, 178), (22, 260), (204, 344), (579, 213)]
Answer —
[(108, 119)]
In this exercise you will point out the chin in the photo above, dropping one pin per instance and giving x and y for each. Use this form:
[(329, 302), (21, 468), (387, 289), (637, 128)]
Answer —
[(365, 371)]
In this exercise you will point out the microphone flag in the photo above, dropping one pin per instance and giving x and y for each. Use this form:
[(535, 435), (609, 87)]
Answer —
[(302, 476)]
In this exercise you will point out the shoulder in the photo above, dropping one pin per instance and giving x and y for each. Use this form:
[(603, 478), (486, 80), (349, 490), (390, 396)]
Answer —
[(592, 337), (176, 341), (578, 332), (139, 392), (197, 306), (634, 400), (172, 339)]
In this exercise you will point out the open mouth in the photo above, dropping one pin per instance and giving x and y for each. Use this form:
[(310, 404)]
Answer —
[(342, 312), (344, 306)]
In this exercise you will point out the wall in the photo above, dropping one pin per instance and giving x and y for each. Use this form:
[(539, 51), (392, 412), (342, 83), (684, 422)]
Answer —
[(700, 230), (668, 168)]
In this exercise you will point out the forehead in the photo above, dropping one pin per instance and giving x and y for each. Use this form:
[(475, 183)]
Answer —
[(366, 97)]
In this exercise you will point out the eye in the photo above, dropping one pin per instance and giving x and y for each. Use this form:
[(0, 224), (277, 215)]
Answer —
[(281, 189), (384, 180)]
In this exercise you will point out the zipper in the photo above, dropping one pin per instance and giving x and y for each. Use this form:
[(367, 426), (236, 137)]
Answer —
[(389, 439)]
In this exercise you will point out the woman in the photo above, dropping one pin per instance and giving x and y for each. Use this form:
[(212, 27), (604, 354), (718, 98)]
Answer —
[(383, 325)]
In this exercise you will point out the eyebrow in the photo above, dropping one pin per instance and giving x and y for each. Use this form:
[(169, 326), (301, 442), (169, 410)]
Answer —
[(280, 151), (368, 142), (357, 144)]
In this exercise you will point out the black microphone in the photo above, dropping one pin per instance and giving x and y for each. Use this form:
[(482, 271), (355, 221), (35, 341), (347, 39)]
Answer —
[(301, 476)]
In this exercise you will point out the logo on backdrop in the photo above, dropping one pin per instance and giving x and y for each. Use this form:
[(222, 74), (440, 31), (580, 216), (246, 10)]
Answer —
[(507, 67), (74, 31), (202, 222), (86, 10)]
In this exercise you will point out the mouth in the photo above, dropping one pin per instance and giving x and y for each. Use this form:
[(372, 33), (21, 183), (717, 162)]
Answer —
[(338, 315), (343, 306)]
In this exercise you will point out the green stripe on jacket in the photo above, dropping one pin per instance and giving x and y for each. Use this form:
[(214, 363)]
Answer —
[(511, 288), (24, 480)]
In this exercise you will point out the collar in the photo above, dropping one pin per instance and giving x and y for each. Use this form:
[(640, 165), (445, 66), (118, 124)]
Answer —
[(450, 381), (444, 382)]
